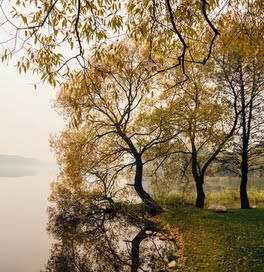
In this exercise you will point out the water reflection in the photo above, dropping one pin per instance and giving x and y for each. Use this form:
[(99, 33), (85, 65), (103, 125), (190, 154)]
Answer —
[(106, 239)]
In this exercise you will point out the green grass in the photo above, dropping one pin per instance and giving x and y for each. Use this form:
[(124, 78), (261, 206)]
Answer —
[(231, 198), (227, 197), (220, 242), (216, 183)]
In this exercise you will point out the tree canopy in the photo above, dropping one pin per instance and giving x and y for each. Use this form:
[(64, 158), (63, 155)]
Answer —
[(55, 36), (160, 83)]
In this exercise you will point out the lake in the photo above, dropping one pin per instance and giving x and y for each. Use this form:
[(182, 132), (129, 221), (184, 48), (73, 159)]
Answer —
[(83, 240), (24, 241), (79, 239)]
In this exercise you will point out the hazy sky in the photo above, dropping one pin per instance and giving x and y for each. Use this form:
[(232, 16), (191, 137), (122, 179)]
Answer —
[(27, 118)]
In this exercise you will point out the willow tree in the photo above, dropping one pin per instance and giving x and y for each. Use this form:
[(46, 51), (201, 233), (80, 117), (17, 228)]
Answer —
[(53, 36), (244, 82), (106, 109), (239, 69), (207, 123)]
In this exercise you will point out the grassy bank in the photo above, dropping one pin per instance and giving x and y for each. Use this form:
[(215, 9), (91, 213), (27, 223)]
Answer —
[(220, 242), (227, 197)]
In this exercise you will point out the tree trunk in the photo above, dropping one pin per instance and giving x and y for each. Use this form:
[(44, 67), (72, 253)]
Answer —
[(199, 178), (243, 184), (200, 199), (246, 128), (151, 205), (135, 257)]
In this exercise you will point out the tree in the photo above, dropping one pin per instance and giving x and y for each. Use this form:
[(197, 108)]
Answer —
[(240, 66), (246, 82), (207, 122), (107, 109), (43, 31)]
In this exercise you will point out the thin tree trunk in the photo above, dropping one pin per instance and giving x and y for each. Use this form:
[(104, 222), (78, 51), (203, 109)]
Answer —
[(200, 198), (152, 206), (243, 183), (199, 179), (246, 127)]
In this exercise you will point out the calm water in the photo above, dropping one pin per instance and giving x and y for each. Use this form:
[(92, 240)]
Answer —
[(24, 242), (79, 239), (104, 238)]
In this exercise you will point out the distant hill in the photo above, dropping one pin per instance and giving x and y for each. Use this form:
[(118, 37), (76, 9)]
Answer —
[(17, 166)]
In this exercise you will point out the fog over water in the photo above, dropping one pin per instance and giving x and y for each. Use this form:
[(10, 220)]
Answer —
[(27, 118), (26, 121), (23, 238)]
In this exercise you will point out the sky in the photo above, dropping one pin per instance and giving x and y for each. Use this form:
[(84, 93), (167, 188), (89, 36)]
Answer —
[(27, 118)]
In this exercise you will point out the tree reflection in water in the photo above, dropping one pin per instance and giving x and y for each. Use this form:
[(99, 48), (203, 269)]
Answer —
[(105, 240)]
